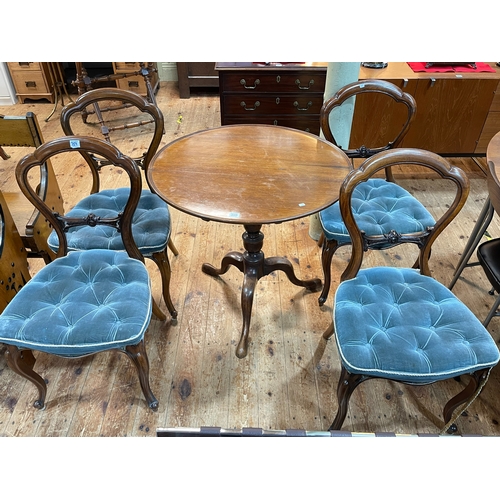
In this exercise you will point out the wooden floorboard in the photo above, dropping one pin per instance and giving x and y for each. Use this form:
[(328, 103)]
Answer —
[(289, 378)]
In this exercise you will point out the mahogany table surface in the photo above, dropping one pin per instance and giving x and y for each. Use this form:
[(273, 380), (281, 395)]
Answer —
[(249, 174)]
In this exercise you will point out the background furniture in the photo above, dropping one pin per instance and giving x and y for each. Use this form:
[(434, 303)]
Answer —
[(249, 175), (82, 302), (33, 227), (136, 82), (196, 74), (288, 95), (401, 324), (458, 114), (139, 77), (32, 80), (14, 269)]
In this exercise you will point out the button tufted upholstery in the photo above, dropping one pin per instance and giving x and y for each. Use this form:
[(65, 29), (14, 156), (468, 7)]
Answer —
[(398, 324), (150, 224), (72, 295), (378, 207)]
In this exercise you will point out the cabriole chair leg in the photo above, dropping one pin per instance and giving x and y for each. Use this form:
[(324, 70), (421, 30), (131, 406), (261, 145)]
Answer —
[(22, 362), (137, 353)]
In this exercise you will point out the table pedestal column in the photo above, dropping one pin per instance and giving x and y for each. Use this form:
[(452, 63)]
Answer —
[(254, 266)]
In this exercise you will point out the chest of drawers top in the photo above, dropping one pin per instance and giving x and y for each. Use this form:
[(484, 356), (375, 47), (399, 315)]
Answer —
[(288, 78)]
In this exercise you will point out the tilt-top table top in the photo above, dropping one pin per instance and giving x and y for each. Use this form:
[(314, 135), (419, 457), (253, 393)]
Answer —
[(249, 174)]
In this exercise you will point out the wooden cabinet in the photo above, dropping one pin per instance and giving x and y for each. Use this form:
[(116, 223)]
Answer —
[(457, 114), (196, 74), (289, 95), (134, 83), (492, 124), (32, 80)]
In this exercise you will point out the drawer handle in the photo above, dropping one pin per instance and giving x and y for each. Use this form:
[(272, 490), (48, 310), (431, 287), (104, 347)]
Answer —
[(24, 64), (30, 84), (133, 84), (255, 106), (297, 82), (244, 83), (309, 104)]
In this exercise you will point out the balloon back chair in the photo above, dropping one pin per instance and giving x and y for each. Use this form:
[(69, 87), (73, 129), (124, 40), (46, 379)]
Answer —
[(151, 225), (400, 323), (83, 302), (24, 131), (381, 205)]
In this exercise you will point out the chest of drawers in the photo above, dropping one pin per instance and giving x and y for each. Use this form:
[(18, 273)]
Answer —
[(286, 94), (32, 80)]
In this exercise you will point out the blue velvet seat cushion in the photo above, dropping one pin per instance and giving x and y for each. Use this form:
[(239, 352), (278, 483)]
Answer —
[(396, 323), (79, 304), (150, 225), (378, 207)]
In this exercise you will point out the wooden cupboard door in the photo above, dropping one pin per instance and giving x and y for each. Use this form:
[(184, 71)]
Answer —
[(378, 119), (450, 114)]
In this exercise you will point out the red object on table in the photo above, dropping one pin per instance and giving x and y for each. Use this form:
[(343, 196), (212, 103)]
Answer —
[(480, 68)]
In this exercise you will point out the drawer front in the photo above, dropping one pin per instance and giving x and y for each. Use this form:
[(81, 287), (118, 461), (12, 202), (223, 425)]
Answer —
[(124, 67), (29, 82), (24, 66), (273, 82), (306, 124), (133, 83), (272, 104)]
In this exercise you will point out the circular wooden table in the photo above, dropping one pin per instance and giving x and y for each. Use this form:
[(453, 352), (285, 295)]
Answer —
[(250, 175)]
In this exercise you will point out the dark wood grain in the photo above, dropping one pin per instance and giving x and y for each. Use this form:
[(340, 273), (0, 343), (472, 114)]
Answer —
[(249, 174)]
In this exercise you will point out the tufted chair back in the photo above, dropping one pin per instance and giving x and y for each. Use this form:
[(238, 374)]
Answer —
[(401, 324), (106, 113), (83, 302)]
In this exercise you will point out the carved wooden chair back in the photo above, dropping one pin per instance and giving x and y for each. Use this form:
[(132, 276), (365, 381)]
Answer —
[(114, 108), (368, 87)]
